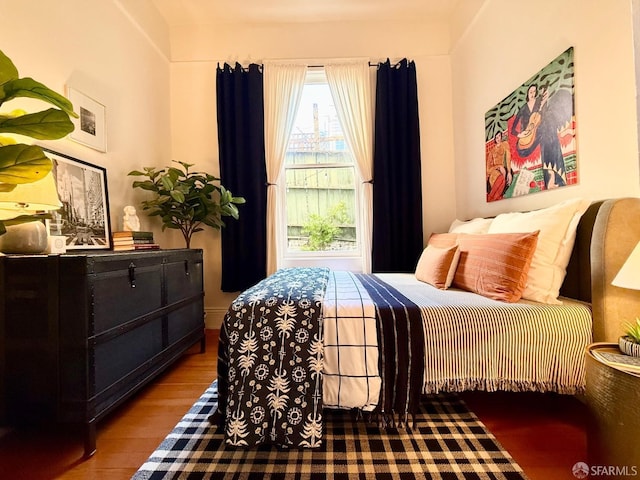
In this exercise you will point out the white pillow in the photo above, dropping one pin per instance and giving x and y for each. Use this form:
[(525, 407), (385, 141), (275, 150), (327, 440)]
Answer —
[(557, 225), (474, 226)]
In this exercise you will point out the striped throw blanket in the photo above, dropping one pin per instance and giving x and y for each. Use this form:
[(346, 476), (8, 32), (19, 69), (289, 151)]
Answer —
[(475, 343), (373, 347), (401, 346), (470, 342)]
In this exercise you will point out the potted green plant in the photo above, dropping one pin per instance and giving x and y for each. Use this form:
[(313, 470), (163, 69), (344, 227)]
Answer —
[(186, 200), (630, 342), (21, 163)]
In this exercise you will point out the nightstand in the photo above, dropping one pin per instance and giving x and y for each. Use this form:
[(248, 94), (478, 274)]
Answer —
[(613, 398)]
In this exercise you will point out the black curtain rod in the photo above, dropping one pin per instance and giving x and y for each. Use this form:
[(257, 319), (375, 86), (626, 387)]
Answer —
[(370, 64), (260, 65), (376, 64)]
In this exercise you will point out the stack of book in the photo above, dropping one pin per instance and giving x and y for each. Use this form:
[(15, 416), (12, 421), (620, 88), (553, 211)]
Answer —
[(134, 241), (614, 357)]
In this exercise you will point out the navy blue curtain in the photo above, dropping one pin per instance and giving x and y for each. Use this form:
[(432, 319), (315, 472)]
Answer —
[(397, 191), (240, 98)]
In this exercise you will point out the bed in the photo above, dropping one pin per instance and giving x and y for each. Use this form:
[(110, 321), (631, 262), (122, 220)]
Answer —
[(313, 338)]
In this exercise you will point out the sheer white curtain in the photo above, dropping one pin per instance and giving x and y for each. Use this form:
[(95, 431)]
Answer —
[(283, 84), (351, 90)]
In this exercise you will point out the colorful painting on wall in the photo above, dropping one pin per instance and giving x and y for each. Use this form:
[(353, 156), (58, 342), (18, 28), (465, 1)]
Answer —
[(530, 136)]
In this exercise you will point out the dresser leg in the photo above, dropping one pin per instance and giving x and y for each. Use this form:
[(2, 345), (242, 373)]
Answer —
[(203, 344), (90, 438)]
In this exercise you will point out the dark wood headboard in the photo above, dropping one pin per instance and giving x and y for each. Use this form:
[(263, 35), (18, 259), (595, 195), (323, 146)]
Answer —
[(577, 283)]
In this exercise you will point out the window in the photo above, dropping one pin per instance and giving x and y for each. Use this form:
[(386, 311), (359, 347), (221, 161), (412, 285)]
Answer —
[(320, 179)]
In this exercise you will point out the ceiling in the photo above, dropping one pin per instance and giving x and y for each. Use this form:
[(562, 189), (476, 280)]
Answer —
[(206, 12)]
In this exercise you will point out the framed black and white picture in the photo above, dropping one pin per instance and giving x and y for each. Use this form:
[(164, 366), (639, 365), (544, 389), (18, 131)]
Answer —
[(91, 125), (84, 216)]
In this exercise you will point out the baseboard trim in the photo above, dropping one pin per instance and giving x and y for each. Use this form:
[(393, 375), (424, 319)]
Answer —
[(214, 317)]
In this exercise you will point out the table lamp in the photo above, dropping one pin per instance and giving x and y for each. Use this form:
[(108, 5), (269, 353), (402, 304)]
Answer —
[(27, 199), (629, 274)]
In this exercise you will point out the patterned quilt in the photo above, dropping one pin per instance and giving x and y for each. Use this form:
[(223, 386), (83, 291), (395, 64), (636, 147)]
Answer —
[(286, 336), (270, 361)]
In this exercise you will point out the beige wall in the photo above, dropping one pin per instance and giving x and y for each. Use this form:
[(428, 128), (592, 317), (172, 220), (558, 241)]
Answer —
[(117, 52), (508, 42), (94, 46), (196, 52)]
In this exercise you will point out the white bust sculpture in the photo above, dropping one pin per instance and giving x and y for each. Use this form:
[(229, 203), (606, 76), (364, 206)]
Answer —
[(130, 221)]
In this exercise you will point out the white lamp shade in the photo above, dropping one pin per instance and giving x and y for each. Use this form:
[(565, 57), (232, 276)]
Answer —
[(629, 274), (30, 198)]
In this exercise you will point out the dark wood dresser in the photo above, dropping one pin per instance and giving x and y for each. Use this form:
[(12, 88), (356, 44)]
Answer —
[(81, 332)]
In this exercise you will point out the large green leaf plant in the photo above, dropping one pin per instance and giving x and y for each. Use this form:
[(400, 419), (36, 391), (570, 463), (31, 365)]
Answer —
[(21, 163), (186, 200)]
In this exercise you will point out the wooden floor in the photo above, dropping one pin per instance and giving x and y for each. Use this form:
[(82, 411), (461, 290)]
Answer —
[(546, 434)]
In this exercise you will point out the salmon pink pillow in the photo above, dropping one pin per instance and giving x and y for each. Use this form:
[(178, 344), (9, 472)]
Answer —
[(557, 225), (437, 266), (444, 240), (495, 265)]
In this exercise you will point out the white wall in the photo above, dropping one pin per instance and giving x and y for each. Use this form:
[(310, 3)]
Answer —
[(196, 52), (508, 42), (95, 47)]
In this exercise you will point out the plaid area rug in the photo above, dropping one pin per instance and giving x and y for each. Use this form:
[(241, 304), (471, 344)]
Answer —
[(448, 442)]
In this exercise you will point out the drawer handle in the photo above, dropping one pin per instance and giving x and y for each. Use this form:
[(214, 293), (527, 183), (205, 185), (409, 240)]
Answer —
[(132, 275), (186, 267)]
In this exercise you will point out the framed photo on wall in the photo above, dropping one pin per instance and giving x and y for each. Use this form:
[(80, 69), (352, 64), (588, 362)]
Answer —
[(84, 216), (91, 126)]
